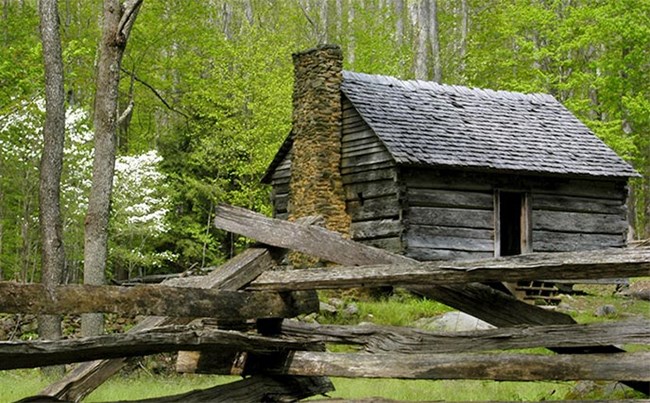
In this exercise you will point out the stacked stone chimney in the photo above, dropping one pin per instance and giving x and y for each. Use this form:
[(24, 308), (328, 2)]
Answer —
[(316, 184)]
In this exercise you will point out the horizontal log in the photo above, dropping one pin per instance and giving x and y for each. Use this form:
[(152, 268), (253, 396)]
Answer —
[(366, 159), (391, 244), (152, 300), (560, 221), (31, 354), (476, 181), (577, 204), (564, 266), (550, 241), (365, 165), (369, 175), (375, 229), (498, 367), (356, 133), (428, 254), (371, 189), (365, 149), (377, 339), (449, 198), (459, 243), (372, 209), (451, 217)]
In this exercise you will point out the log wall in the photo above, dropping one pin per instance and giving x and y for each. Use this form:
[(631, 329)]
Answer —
[(280, 188), (450, 215), (447, 217), (370, 182)]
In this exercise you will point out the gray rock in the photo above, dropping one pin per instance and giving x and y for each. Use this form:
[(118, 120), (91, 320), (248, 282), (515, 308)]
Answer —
[(337, 302), (452, 322), (605, 310), (327, 308), (351, 309)]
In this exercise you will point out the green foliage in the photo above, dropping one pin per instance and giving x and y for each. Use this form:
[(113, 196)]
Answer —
[(224, 72)]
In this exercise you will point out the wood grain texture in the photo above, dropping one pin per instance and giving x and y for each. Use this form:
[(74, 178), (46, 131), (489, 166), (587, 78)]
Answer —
[(30, 354), (498, 367), (376, 339), (594, 264), (153, 300)]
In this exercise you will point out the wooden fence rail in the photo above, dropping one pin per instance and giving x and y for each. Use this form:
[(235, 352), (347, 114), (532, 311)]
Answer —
[(296, 335), (566, 266), (154, 300), (288, 357)]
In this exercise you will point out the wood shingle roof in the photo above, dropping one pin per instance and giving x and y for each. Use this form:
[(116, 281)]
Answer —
[(427, 124)]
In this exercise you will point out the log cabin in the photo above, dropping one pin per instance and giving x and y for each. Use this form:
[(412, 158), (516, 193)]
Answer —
[(444, 172)]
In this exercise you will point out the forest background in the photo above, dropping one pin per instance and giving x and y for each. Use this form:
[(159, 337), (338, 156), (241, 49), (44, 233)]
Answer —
[(211, 84)]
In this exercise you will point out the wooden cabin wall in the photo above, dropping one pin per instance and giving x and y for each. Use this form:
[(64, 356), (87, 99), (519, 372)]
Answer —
[(280, 188), (369, 180), (450, 215), (573, 215), (447, 216)]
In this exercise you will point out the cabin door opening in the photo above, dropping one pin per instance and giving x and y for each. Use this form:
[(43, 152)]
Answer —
[(513, 232)]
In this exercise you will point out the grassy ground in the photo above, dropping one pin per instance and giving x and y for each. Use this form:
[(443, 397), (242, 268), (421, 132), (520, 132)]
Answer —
[(400, 310)]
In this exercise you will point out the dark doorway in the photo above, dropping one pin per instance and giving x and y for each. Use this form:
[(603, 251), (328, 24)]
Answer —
[(511, 208)]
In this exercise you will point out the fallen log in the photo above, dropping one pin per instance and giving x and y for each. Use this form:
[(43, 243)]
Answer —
[(30, 354), (377, 339), (154, 300), (564, 265), (497, 367)]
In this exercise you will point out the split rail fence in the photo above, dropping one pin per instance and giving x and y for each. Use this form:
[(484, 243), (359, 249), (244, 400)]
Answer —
[(247, 304)]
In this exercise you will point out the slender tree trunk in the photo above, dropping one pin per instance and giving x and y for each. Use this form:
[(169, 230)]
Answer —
[(434, 39), (26, 229), (423, 23), (53, 255), (399, 22), (117, 24), (351, 44), (249, 12), (339, 20), (323, 23), (464, 33)]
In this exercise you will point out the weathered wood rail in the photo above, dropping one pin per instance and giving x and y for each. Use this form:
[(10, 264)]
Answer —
[(286, 358)]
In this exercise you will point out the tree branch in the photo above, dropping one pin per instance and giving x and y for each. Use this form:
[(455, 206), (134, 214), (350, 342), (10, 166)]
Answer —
[(129, 13), (155, 92)]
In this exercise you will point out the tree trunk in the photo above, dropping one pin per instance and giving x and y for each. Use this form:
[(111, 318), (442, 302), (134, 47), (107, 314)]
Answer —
[(434, 39), (464, 32), (53, 255), (323, 23), (351, 43), (399, 22), (117, 24), (422, 25)]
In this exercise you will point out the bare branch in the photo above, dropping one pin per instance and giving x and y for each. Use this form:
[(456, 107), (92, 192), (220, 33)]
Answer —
[(126, 113), (130, 12), (155, 92)]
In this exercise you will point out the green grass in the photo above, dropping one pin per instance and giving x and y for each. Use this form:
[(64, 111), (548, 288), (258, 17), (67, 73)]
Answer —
[(449, 390), (143, 386), (400, 309), (17, 384)]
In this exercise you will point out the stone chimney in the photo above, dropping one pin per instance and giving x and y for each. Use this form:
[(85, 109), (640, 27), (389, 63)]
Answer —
[(316, 184)]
